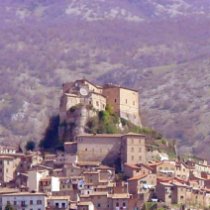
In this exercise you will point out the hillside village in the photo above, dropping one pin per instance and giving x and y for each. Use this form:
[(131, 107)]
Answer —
[(102, 171)]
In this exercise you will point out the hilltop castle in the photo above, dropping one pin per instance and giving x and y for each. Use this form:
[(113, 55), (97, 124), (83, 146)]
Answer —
[(124, 101)]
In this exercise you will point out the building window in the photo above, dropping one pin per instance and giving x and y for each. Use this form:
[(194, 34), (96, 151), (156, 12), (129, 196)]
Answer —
[(132, 149), (23, 203), (97, 103), (126, 101), (124, 204), (57, 205), (63, 205), (132, 157), (39, 202), (99, 205), (134, 103), (15, 203), (139, 158), (115, 100), (31, 202), (140, 149), (117, 204)]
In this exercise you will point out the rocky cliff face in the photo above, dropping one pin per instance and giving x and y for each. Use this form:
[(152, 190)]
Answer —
[(74, 123)]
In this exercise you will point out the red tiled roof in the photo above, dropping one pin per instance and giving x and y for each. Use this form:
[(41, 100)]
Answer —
[(164, 179), (146, 166), (137, 177), (132, 166)]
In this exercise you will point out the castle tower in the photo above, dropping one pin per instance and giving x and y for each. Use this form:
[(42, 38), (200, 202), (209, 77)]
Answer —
[(125, 102)]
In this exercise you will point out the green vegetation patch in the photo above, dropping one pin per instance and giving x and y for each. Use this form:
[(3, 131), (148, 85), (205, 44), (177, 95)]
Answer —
[(150, 205), (105, 122)]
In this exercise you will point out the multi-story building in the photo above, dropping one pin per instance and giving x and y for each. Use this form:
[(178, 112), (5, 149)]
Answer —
[(142, 185), (85, 206), (81, 92), (58, 202), (164, 192), (124, 101), (112, 149), (166, 168), (103, 148), (29, 160), (133, 148), (131, 170), (49, 184), (182, 171), (7, 150), (34, 177), (8, 167), (24, 201)]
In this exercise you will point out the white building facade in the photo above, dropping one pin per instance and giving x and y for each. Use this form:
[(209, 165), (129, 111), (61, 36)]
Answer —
[(24, 201)]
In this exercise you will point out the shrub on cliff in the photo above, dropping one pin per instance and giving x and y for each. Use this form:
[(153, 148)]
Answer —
[(30, 145), (51, 138), (105, 122)]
